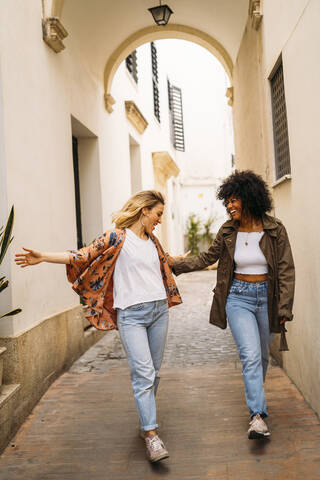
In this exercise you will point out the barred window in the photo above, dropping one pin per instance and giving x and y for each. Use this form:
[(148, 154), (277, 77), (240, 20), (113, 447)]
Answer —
[(176, 117), (131, 64), (280, 125), (155, 81)]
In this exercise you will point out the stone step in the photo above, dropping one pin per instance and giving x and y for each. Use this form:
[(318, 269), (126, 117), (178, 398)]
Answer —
[(8, 405)]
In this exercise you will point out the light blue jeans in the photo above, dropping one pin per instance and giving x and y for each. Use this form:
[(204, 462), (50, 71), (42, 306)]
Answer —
[(247, 312), (143, 332)]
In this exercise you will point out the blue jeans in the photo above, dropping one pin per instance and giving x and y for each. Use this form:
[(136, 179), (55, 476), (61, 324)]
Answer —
[(143, 332), (247, 312)]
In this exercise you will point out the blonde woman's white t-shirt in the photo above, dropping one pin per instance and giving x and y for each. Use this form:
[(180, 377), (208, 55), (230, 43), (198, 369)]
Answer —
[(137, 276)]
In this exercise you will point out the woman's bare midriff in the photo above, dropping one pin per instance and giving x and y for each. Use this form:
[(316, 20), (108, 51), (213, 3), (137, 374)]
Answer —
[(251, 278)]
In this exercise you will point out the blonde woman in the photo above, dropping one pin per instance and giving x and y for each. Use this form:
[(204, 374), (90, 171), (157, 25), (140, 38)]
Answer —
[(125, 280)]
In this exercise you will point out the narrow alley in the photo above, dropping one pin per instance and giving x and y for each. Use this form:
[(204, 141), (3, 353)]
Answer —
[(86, 426)]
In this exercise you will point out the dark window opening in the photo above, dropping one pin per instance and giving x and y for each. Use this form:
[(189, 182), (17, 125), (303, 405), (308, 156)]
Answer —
[(176, 117), (155, 81), (280, 125), (77, 190), (131, 64)]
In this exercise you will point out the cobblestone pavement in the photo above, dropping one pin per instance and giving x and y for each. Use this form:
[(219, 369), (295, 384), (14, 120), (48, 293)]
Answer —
[(85, 427), (192, 340)]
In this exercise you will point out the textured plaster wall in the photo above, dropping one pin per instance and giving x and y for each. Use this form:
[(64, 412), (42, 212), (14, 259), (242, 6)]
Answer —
[(294, 33), (42, 92), (296, 202)]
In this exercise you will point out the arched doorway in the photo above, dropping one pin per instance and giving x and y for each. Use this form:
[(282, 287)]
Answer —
[(150, 34), (165, 169)]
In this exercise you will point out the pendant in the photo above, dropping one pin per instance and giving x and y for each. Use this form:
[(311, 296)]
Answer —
[(246, 243)]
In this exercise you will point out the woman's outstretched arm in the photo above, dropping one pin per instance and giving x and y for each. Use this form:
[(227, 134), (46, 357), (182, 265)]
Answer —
[(201, 261), (33, 257)]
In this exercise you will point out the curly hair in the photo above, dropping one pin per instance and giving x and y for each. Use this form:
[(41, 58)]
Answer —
[(250, 188)]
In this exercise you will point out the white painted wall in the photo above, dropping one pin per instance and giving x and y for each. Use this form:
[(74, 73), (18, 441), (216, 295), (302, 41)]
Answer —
[(294, 32), (207, 126), (130, 146), (37, 132), (50, 98)]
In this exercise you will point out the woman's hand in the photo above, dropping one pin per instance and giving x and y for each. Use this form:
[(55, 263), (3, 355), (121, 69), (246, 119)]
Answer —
[(33, 257), (178, 257), (283, 320)]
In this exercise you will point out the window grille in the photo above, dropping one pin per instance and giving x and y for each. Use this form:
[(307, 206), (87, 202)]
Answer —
[(280, 125), (176, 117), (155, 81), (131, 64)]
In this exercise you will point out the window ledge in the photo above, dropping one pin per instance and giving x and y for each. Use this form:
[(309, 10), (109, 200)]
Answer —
[(135, 116), (283, 179)]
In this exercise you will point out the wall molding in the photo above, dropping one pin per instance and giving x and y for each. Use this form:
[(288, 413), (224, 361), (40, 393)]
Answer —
[(229, 94), (255, 12), (164, 167), (135, 116), (53, 33), (52, 29)]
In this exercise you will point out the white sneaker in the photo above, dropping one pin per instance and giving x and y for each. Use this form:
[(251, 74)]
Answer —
[(258, 428), (155, 448)]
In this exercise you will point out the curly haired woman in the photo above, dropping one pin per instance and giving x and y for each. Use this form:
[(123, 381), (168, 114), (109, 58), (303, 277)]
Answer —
[(125, 280), (255, 282)]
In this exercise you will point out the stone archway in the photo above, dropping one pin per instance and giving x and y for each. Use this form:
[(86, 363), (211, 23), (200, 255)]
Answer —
[(149, 34)]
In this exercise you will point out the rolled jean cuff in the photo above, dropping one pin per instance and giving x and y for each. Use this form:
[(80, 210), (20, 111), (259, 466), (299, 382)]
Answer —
[(149, 427), (262, 415)]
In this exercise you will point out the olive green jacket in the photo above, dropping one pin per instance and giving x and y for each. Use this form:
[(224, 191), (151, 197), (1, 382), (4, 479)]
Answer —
[(281, 276)]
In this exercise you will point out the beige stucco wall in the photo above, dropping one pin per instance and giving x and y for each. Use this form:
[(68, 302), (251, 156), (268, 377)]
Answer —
[(46, 98), (37, 131), (247, 105), (293, 31), (297, 202)]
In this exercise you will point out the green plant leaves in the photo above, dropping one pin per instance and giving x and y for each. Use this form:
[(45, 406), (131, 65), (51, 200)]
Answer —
[(13, 312), (5, 240), (5, 235), (3, 285), (193, 231)]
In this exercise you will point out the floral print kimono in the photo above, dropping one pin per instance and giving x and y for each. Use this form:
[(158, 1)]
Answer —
[(91, 273)]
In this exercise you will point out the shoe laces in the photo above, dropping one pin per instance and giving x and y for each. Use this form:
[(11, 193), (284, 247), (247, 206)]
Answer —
[(156, 443), (256, 418)]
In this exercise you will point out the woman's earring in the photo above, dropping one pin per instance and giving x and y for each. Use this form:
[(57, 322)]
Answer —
[(142, 222)]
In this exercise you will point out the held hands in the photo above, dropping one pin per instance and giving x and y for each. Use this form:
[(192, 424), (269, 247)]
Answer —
[(171, 260), (181, 257), (33, 257)]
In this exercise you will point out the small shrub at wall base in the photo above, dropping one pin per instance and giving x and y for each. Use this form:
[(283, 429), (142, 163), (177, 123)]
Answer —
[(5, 240), (193, 232), (195, 238), (207, 235)]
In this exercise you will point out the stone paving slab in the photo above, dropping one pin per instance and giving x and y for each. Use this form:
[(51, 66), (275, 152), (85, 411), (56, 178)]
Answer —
[(85, 427)]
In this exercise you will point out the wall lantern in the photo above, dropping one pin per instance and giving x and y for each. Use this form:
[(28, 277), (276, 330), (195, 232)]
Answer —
[(161, 14)]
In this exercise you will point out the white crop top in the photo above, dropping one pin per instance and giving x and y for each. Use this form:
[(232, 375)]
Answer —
[(248, 256), (137, 276)]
